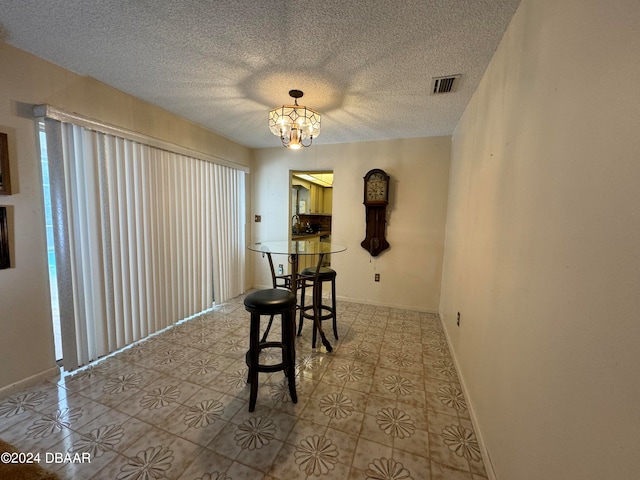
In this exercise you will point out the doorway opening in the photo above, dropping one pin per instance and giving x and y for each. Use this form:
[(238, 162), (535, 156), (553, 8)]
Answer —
[(311, 208)]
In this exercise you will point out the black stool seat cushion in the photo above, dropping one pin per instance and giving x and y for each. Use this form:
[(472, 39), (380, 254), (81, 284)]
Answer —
[(271, 300), (325, 273)]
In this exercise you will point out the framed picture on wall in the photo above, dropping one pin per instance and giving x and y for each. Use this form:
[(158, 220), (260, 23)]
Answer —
[(5, 259), (5, 179)]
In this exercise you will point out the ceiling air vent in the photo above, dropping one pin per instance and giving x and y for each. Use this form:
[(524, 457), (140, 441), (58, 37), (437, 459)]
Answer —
[(446, 84)]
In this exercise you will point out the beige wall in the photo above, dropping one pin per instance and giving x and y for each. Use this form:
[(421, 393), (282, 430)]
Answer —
[(410, 271), (26, 338), (542, 253)]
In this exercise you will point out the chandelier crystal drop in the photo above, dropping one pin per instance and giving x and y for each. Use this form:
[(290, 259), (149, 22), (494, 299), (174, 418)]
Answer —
[(296, 125)]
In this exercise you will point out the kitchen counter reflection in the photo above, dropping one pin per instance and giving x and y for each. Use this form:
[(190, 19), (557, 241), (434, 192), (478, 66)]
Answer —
[(309, 235)]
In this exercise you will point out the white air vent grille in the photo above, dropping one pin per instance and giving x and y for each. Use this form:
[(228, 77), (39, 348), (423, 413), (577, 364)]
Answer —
[(446, 84)]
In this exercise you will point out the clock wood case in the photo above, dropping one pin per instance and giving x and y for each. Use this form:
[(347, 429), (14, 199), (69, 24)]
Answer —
[(376, 199)]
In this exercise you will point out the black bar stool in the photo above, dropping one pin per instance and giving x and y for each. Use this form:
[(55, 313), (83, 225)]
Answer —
[(307, 279), (272, 301)]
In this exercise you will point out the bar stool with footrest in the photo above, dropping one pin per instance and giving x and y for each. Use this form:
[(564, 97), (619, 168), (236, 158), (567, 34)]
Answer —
[(308, 277), (272, 301)]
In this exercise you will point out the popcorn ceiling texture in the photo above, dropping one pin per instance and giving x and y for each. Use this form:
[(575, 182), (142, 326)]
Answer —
[(366, 66)]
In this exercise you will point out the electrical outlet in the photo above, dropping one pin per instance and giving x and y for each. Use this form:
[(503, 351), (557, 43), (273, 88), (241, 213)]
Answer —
[(458, 322), (377, 277)]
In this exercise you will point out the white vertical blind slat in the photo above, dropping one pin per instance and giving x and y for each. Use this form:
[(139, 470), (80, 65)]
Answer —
[(122, 237), (148, 314), (229, 249), (115, 194)]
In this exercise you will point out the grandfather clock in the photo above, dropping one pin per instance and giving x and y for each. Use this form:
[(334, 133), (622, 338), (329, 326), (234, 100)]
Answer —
[(376, 199)]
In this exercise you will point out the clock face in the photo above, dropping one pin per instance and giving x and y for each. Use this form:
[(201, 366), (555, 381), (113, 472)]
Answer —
[(376, 191), (377, 188)]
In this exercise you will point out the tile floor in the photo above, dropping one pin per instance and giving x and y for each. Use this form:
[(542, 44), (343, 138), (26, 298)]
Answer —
[(385, 405)]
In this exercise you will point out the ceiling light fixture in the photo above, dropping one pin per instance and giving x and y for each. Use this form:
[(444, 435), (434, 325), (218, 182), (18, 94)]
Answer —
[(294, 123)]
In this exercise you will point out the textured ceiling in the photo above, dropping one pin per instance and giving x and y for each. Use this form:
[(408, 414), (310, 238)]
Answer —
[(367, 65)]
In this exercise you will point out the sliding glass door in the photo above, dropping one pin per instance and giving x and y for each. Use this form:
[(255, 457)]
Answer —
[(142, 237)]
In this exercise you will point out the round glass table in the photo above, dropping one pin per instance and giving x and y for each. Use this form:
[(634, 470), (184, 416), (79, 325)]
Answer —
[(295, 248)]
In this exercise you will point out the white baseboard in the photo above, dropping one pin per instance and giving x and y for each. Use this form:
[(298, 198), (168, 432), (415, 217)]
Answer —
[(367, 302), (29, 382), (388, 305), (491, 474)]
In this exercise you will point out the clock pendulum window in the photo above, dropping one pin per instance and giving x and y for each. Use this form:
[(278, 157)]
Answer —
[(376, 199)]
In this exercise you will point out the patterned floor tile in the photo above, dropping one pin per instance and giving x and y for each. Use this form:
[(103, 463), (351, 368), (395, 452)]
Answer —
[(386, 404)]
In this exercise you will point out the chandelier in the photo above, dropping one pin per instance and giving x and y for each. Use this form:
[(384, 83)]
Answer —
[(294, 124)]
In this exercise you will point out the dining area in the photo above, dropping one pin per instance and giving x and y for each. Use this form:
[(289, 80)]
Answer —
[(387, 398)]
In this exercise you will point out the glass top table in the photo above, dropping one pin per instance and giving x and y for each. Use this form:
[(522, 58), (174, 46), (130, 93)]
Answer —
[(297, 247), (294, 248)]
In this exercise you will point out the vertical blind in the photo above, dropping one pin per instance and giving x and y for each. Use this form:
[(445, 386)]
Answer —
[(144, 237)]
